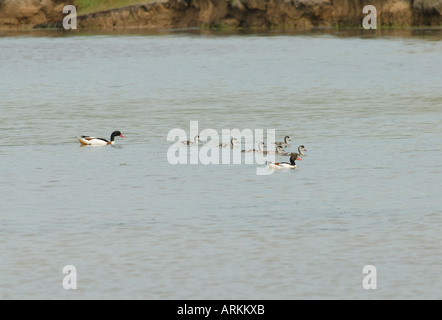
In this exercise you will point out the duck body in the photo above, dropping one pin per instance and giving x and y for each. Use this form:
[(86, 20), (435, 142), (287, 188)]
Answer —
[(281, 165), (233, 144), (194, 142), (279, 151), (260, 149), (286, 142), (285, 165), (301, 150), (92, 141)]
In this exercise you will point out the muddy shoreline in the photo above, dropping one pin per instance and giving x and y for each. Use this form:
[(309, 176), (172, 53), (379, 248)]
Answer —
[(225, 14)]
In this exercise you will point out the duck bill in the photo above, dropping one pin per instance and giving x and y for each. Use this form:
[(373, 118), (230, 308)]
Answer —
[(121, 136), (298, 158)]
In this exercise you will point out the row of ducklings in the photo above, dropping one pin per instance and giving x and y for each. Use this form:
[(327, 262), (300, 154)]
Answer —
[(279, 146), (279, 150)]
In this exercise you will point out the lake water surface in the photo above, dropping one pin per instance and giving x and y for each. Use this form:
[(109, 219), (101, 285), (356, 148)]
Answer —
[(367, 108)]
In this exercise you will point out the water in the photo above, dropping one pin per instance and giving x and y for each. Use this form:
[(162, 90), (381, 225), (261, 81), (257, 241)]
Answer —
[(368, 109)]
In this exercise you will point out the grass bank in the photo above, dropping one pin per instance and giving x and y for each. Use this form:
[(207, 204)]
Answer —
[(88, 6)]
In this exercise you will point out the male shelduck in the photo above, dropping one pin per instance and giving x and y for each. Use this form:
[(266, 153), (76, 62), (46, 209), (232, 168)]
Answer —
[(92, 141), (284, 165)]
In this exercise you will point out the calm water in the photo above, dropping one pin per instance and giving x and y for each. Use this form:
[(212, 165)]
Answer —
[(368, 109)]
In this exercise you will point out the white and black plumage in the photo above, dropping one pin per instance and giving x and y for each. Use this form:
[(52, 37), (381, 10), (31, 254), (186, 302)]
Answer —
[(284, 165), (92, 141), (301, 150), (194, 142), (233, 144), (286, 142), (261, 147)]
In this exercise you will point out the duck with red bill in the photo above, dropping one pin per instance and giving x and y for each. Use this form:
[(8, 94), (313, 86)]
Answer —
[(285, 165), (92, 141)]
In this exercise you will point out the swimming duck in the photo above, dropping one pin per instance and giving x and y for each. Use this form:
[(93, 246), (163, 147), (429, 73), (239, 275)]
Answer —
[(301, 150), (284, 165), (194, 142), (92, 141), (233, 143), (279, 150), (286, 142), (261, 147)]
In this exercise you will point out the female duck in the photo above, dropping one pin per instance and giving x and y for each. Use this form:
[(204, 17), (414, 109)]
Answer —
[(92, 141)]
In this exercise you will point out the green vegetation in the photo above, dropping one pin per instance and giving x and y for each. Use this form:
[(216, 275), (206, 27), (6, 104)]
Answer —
[(88, 6)]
